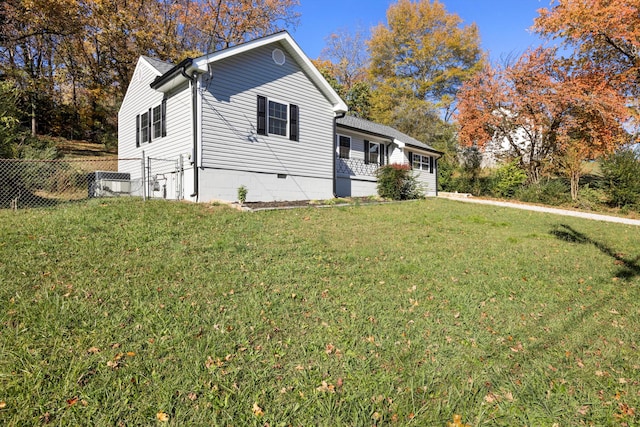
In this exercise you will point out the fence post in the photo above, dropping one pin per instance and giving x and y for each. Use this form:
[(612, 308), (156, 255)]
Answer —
[(149, 192), (142, 179), (180, 177)]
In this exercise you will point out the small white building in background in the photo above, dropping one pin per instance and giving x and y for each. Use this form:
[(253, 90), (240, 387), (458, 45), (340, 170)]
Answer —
[(258, 115)]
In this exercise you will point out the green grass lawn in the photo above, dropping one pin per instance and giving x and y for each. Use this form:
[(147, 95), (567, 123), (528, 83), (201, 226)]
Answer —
[(121, 312)]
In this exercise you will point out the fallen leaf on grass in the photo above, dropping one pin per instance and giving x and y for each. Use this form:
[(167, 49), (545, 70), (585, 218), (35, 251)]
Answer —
[(626, 410), (457, 422), (257, 410), (517, 348), (325, 387), (583, 410), (72, 401), (93, 350), (3, 404), (162, 416), (490, 398)]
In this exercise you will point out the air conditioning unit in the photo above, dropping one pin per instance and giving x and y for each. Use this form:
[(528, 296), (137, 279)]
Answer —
[(109, 184)]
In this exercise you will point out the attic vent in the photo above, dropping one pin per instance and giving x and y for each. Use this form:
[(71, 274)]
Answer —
[(278, 56)]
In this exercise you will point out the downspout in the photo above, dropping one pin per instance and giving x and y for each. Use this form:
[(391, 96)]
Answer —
[(335, 136), (435, 160), (194, 117)]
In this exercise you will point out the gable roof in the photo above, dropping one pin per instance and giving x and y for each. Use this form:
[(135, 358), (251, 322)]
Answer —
[(177, 74), (160, 66), (356, 123)]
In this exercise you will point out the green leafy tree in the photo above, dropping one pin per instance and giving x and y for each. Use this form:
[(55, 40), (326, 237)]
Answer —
[(9, 120), (508, 178), (419, 60), (621, 171)]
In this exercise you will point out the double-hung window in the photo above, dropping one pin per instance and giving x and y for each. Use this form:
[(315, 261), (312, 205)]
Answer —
[(344, 146), (157, 122), (372, 153), (277, 118), (421, 162), (144, 127), (152, 124)]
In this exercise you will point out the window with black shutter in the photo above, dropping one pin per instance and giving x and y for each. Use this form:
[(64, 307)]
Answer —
[(371, 152), (144, 127), (262, 115), (293, 122), (157, 121), (344, 146), (278, 118), (164, 117), (138, 130), (152, 124)]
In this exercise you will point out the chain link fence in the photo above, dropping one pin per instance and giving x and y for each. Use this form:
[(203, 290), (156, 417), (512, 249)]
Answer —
[(45, 183)]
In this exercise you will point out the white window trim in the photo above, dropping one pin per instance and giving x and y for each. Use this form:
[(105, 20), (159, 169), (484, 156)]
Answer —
[(153, 121), (421, 162), (148, 128), (287, 125), (338, 135), (379, 153)]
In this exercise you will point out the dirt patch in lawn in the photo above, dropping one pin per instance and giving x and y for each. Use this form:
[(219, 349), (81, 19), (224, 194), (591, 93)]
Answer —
[(313, 203)]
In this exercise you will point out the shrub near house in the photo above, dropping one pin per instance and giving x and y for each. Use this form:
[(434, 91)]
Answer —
[(397, 182)]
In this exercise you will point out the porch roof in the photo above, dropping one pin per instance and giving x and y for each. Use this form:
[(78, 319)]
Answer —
[(362, 125)]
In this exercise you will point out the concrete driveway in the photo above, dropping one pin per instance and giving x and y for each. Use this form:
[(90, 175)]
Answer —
[(598, 217)]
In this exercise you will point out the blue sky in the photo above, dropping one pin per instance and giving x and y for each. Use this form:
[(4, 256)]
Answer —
[(503, 24)]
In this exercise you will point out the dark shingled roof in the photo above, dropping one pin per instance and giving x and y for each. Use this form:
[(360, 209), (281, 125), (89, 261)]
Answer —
[(356, 123), (161, 66)]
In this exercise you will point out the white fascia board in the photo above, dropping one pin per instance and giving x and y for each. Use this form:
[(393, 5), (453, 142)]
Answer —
[(339, 106)]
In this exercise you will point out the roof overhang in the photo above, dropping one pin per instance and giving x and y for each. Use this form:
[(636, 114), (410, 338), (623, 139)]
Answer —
[(365, 132), (403, 145), (176, 76), (185, 69)]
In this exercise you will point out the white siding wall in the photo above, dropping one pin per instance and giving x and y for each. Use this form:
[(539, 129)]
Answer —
[(230, 141), (139, 98), (427, 179), (355, 183), (398, 156)]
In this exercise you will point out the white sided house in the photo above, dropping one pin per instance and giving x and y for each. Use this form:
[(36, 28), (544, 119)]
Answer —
[(258, 115), (364, 146)]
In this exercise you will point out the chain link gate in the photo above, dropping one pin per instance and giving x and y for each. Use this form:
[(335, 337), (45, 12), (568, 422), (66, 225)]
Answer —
[(164, 178)]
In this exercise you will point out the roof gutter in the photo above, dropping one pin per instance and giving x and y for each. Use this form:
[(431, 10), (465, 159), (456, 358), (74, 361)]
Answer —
[(172, 73)]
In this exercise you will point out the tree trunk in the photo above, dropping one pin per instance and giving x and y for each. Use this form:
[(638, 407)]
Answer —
[(33, 119), (575, 180)]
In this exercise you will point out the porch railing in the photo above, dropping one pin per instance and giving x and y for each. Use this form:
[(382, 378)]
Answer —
[(355, 167)]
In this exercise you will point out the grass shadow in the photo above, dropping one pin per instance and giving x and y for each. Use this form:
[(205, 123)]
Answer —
[(630, 267)]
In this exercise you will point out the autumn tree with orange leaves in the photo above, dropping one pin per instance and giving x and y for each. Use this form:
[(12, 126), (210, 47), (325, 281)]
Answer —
[(72, 60), (550, 113), (601, 32)]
